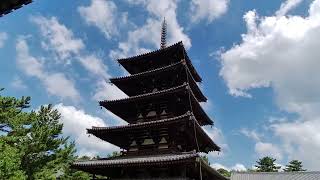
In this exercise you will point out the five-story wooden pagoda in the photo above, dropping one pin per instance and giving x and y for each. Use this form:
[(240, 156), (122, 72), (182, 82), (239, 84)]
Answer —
[(164, 136)]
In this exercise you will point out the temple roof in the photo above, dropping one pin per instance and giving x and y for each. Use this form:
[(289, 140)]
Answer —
[(146, 160), (301, 175), (159, 58), (6, 6), (112, 165), (131, 85), (120, 135), (131, 103)]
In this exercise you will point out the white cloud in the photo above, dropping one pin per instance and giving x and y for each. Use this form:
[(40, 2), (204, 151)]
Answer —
[(104, 15), (94, 65), (287, 6), (251, 134), (114, 118), (262, 148), (216, 135), (219, 166), (29, 64), (206, 105), (277, 52), (207, 9), (236, 167), (17, 83), (56, 83), (58, 38), (107, 91), (301, 140), (75, 122), (3, 38), (268, 149), (149, 33), (281, 52)]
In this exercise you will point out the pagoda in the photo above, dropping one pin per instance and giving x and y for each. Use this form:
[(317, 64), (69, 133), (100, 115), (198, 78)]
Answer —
[(164, 136), (7, 6)]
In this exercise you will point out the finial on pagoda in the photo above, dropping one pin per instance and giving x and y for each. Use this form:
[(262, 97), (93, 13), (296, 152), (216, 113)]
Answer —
[(163, 34)]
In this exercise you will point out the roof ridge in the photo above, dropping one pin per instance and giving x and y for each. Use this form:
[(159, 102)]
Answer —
[(146, 72), (182, 156), (150, 52), (187, 114), (184, 85), (146, 94), (282, 172)]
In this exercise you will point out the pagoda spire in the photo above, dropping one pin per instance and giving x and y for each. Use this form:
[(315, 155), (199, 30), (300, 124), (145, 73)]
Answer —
[(163, 34)]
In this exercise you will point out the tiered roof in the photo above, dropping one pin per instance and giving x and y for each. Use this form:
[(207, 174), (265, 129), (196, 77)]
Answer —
[(159, 58), (6, 6), (116, 135), (131, 85), (183, 91), (113, 165)]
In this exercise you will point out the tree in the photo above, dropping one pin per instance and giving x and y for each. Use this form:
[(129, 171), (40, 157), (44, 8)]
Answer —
[(31, 143), (267, 164), (114, 154), (224, 172), (294, 165)]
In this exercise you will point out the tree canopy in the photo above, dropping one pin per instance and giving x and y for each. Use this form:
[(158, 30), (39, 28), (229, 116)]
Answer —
[(224, 172), (267, 164), (31, 143), (294, 165)]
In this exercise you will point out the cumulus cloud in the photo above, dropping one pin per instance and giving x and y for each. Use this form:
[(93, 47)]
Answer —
[(262, 148), (207, 9), (149, 34), (75, 122), (217, 136), (281, 52), (251, 134), (236, 167), (287, 6), (268, 149), (55, 83), (107, 91), (104, 15), (94, 65), (301, 140), (58, 38), (3, 38)]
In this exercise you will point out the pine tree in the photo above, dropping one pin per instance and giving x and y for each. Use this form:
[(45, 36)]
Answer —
[(31, 143), (224, 172), (294, 165), (267, 164)]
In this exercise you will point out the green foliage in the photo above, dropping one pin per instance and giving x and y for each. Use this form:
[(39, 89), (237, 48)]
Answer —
[(31, 143), (251, 170), (267, 164), (224, 172), (294, 165), (114, 154)]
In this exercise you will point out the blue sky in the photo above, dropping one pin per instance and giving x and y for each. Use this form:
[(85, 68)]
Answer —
[(259, 62)]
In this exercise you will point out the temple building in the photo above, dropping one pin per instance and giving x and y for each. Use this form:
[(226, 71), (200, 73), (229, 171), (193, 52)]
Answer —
[(7, 6), (164, 136)]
